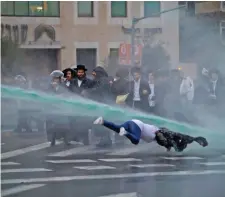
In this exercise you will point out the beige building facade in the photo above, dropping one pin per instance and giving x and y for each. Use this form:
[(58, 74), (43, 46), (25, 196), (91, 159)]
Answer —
[(84, 29)]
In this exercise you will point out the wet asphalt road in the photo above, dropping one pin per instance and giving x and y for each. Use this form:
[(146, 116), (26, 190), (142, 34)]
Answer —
[(35, 169)]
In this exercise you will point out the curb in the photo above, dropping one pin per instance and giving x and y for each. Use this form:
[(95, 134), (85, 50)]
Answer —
[(7, 133)]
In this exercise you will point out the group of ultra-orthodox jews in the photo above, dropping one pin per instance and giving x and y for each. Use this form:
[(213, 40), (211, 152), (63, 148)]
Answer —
[(129, 88)]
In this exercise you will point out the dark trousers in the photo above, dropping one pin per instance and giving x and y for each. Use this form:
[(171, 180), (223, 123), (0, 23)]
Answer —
[(168, 139), (55, 133), (139, 105), (133, 131)]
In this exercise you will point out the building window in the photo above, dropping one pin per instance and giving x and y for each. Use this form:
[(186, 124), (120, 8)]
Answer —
[(85, 8), (21, 8), (114, 52), (152, 7), (7, 8), (30, 8), (191, 8), (222, 6), (51, 8), (113, 56), (36, 8), (118, 8), (87, 57)]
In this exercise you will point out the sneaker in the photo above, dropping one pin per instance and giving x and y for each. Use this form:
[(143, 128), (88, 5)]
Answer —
[(98, 121), (122, 131)]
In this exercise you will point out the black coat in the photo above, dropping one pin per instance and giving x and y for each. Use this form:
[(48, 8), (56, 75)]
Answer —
[(161, 90), (70, 86), (144, 97), (100, 88), (61, 89), (86, 83), (120, 87), (100, 91)]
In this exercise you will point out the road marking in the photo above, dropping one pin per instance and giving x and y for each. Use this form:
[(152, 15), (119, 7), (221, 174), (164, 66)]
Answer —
[(151, 165), (69, 152), (130, 150), (122, 195), (125, 151), (110, 176), (71, 161), (76, 143), (181, 158), (25, 170), (2, 144), (20, 188), (119, 159), (213, 163), (94, 167), (22, 151), (9, 163)]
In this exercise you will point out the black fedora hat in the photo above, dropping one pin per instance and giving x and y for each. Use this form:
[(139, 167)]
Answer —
[(69, 69), (80, 67)]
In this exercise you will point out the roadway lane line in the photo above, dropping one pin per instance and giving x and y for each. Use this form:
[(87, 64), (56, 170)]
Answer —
[(9, 163), (119, 159), (181, 158), (110, 176), (19, 189), (78, 151), (94, 167), (213, 164), (25, 170), (25, 150), (70, 161), (134, 194), (130, 150), (151, 165), (70, 152)]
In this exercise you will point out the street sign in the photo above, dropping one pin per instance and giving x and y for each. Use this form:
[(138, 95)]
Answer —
[(125, 53)]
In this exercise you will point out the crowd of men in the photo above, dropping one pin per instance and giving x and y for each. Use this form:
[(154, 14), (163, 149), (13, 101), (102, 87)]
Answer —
[(164, 93)]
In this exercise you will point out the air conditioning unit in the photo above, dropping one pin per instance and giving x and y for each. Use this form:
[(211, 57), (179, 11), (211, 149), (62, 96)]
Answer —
[(222, 6), (222, 31)]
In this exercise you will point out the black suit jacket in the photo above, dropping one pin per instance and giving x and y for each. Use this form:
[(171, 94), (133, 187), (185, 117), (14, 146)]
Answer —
[(86, 83), (144, 97)]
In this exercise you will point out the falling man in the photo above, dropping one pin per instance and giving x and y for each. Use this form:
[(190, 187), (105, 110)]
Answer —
[(135, 130)]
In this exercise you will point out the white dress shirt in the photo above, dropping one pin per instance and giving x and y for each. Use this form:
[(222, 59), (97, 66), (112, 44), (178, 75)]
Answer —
[(136, 90), (79, 82)]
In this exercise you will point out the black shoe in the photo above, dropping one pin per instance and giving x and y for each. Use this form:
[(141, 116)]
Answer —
[(202, 141)]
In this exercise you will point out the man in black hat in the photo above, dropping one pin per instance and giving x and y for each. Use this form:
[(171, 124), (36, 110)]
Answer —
[(81, 82)]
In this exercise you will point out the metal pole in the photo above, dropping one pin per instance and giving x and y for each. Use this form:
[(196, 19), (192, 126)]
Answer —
[(134, 22), (132, 55), (133, 42)]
